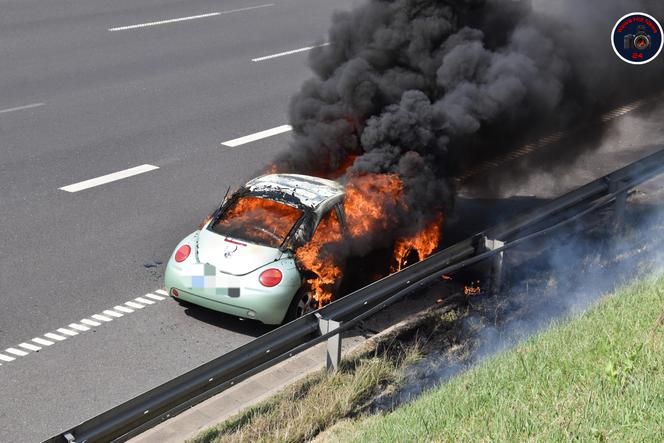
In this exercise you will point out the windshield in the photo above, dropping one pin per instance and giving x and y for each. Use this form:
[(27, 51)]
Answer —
[(257, 220)]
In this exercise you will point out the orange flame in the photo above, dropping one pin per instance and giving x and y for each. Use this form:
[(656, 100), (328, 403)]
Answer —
[(257, 219), (423, 243), (367, 198), (371, 204), (472, 289), (319, 261), (369, 201)]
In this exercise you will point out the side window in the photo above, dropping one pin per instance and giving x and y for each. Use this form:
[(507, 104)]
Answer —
[(329, 228)]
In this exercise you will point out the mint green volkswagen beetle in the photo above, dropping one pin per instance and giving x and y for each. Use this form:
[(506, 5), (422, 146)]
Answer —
[(241, 262)]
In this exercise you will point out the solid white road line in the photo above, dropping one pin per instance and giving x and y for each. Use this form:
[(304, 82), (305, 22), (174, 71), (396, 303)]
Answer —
[(41, 341), (257, 136), (191, 17), (55, 337), (161, 291), (21, 108), (30, 347), (294, 51), (16, 352), (131, 304), (89, 322), (109, 178), (6, 358)]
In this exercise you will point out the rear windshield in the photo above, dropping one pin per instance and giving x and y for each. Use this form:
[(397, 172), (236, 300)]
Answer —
[(257, 220)]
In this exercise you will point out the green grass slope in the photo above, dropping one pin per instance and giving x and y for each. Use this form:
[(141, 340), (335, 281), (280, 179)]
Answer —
[(598, 376)]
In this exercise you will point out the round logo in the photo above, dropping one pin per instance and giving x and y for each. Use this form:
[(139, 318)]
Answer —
[(637, 38)]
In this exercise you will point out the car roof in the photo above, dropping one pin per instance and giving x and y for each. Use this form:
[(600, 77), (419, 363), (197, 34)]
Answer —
[(310, 191)]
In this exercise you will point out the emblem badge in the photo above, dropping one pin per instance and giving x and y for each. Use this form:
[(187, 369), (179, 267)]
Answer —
[(228, 251)]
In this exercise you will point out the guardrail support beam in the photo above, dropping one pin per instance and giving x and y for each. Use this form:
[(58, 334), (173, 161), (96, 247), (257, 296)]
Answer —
[(619, 205), (619, 211), (496, 267), (333, 343)]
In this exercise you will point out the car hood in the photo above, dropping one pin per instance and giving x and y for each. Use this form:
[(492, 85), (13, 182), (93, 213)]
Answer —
[(232, 255)]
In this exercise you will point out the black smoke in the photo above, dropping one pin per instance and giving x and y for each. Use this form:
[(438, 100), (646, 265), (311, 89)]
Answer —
[(426, 89)]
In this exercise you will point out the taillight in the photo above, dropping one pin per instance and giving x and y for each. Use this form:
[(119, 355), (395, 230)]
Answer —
[(270, 277), (182, 253)]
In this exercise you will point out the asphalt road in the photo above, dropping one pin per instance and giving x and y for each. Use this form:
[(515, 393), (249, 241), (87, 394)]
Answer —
[(79, 101)]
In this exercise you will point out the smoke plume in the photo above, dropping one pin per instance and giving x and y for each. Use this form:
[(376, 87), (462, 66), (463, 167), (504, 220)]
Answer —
[(425, 89)]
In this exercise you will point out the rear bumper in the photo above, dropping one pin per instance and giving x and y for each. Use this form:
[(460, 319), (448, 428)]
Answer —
[(241, 296)]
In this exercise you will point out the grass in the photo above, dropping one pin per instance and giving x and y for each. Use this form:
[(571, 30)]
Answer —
[(306, 408), (596, 377)]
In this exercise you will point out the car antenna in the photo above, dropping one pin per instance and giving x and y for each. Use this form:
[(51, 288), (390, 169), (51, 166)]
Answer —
[(226, 195)]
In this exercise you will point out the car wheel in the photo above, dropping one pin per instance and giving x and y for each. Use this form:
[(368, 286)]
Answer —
[(302, 304)]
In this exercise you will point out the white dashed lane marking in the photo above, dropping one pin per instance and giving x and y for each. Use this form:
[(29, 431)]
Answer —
[(145, 301), (79, 327), (155, 297), (89, 322), (257, 136), (55, 337), (41, 341), (293, 51), (191, 17), (16, 352), (108, 178), (113, 313), (61, 334), (123, 309), (21, 108)]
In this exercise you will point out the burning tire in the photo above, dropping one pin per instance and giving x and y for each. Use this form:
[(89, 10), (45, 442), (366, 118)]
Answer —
[(302, 304)]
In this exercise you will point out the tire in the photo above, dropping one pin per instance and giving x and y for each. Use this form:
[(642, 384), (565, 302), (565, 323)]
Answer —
[(302, 304)]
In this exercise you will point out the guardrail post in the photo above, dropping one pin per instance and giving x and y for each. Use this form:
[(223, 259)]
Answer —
[(496, 269), (333, 343), (618, 207)]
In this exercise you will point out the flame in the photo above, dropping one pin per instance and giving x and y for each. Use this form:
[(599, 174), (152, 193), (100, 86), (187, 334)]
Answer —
[(371, 208), (368, 197), (257, 219), (319, 261), (473, 289), (423, 244)]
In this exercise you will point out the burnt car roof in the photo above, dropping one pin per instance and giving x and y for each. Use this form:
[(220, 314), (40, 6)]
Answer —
[(310, 191)]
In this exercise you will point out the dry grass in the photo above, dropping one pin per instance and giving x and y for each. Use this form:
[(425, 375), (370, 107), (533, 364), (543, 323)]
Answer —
[(310, 406)]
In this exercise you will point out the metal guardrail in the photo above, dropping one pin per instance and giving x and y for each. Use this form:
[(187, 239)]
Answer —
[(174, 396)]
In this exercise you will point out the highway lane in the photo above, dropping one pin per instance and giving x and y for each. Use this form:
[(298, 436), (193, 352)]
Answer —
[(113, 121), (120, 359), (168, 97)]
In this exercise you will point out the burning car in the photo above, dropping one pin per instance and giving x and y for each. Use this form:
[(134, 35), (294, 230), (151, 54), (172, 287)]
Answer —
[(242, 261)]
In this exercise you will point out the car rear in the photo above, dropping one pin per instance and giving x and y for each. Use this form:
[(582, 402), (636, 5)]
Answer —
[(235, 263)]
